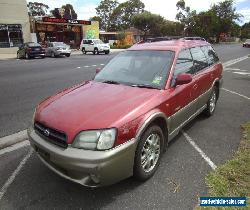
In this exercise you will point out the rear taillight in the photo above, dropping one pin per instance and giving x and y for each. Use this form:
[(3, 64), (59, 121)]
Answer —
[(29, 49)]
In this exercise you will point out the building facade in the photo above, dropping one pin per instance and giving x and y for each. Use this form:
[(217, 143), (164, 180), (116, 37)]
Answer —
[(71, 32), (14, 25)]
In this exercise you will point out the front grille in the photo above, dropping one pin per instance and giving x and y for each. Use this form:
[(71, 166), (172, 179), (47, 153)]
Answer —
[(51, 135)]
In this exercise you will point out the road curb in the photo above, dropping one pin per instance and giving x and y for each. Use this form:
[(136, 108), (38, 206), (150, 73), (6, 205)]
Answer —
[(13, 139)]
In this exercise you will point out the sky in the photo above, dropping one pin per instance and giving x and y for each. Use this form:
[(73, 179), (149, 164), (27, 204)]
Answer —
[(166, 8)]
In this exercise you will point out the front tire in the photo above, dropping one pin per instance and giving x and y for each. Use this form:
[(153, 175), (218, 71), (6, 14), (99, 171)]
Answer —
[(148, 153), (107, 52), (27, 56), (67, 55), (96, 52), (211, 104)]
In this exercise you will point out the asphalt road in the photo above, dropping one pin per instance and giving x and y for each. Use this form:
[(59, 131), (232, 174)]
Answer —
[(178, 182)]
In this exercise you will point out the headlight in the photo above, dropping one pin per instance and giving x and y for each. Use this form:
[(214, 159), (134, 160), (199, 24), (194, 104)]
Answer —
[(95, 139)]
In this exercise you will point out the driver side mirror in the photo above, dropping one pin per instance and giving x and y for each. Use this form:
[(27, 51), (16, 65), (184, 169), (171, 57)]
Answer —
[(182, 79)]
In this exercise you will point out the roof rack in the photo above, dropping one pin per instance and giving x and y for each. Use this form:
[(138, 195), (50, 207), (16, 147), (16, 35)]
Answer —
[(168, 38)]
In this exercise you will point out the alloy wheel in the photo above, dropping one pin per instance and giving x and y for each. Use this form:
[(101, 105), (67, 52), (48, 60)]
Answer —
[(150, 152)]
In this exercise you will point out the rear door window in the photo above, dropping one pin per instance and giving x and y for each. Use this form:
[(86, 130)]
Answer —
[(210, 54), (199, 58)]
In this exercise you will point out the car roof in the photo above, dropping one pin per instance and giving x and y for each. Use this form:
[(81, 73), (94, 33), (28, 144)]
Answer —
[(172, 45)]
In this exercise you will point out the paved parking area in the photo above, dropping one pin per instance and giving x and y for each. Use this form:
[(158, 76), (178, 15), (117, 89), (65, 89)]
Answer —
[(178, 182)]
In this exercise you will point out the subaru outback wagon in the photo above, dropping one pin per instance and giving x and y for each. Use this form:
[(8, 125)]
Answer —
[(119, 124)]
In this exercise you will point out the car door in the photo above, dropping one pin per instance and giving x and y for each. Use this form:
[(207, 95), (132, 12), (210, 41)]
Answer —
[(184, 106), (202, 75)]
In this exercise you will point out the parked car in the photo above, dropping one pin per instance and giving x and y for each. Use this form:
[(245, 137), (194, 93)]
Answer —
[(120, 123), (246, 43), (95, 46), (55, 49), (30, 50)]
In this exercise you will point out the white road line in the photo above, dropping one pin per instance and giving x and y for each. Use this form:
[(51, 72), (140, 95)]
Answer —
[(102, 64), (14, 174), (203, 155), (78, 67), (242, 73), (94, 65), (230, 91), (234, 61), (13, 139), (14, 147), (86, 66)]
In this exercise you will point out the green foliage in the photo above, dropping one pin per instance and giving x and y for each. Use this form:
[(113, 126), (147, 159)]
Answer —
[(69, 12), (156, 25), (37, 9), (245, 31), (220, 18), (122, 15), (120, 36), (105, 11)]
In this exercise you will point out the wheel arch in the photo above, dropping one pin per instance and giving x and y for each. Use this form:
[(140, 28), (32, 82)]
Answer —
[(157, 118)]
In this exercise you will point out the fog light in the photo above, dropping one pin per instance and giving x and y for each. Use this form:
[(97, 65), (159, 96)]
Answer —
[(95, 178)]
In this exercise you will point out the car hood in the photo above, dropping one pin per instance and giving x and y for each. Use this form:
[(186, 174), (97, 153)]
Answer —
[(93, 105)]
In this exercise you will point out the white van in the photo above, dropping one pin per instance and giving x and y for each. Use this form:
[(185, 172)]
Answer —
[(95, 46)]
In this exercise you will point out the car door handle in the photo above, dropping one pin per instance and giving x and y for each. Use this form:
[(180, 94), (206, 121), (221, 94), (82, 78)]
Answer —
[(195, 86)]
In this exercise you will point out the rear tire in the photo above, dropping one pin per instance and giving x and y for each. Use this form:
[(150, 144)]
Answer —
[(211, 104), (107, 52), (67, 55), (27, 56), (148, 153), (83, 51)]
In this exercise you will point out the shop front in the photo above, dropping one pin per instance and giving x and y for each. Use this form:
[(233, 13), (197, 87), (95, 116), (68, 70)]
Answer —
[(10, 35), (70, 32)]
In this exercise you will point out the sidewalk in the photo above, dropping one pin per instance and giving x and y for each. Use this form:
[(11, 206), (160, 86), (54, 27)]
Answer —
[(74, 52), (7, 56)]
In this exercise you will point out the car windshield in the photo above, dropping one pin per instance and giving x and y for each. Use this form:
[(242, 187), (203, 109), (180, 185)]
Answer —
[(32, 44), (57, 44), (138, 68), (98, 41)]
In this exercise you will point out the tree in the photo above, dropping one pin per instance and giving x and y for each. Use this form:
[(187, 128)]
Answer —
[(69, 12), (150, 24), (186, 16), (245, 31), (37, 9), (122, 14), (66, 11), (104, 11), (226, 16)]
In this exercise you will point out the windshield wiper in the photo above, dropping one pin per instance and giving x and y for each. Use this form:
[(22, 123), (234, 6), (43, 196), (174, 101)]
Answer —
[(111, 82), (144, 86)]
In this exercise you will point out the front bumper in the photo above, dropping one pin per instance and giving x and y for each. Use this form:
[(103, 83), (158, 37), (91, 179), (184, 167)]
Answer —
[(86, 167)]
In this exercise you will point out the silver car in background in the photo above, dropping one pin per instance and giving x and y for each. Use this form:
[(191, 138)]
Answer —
[(56, 49)]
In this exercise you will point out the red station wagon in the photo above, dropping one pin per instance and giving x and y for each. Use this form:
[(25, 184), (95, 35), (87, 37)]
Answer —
[(119, 124)]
